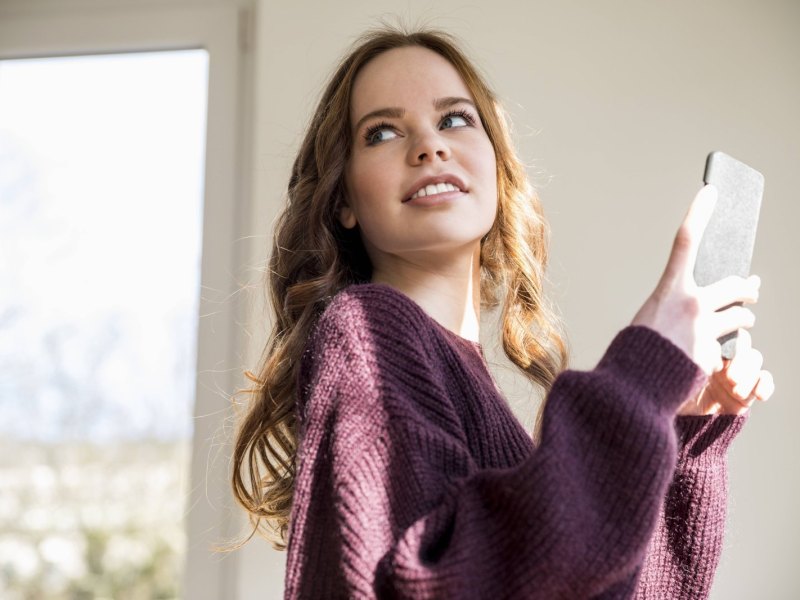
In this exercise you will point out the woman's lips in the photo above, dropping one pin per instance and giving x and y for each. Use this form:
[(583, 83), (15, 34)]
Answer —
[(438, 188), (436, 199), (435, 184)]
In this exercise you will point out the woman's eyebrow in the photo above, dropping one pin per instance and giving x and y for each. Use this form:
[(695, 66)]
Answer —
[(394, 112), (447, 102)]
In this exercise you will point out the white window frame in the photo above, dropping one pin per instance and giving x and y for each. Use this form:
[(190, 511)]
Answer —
[(43, 28)]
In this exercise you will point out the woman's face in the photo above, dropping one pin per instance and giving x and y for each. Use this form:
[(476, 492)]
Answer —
[(421, 174)]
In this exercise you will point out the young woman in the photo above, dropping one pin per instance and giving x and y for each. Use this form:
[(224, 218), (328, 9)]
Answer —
[(378, 446)]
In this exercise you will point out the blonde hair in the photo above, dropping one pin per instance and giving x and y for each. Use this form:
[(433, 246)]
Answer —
[(314, 256)]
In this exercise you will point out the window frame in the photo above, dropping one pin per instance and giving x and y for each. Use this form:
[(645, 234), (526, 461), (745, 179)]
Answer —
[(43, 28)]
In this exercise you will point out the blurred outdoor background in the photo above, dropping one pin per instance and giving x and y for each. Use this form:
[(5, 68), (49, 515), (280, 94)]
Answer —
[(101, 182)]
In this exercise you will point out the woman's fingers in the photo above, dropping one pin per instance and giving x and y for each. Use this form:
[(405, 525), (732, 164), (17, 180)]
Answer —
[(744, 369), (744, 381), (765, 387), (730, 290), (744, 344), (731, 319), (680, 265)]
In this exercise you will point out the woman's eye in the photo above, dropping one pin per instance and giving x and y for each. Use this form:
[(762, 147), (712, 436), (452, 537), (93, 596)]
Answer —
[(378, 135), (454, 121)]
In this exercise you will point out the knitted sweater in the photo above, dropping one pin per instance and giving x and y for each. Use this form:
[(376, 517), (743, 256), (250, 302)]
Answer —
[(415, 480)]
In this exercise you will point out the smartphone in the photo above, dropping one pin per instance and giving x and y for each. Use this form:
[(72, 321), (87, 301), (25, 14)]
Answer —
[(727, 244)]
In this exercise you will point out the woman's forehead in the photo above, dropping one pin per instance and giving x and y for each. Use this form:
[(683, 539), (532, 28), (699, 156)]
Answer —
[(408, 77)]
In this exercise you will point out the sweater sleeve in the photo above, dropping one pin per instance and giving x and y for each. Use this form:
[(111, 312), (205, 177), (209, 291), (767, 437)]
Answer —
[(684, 551), (389, 502)]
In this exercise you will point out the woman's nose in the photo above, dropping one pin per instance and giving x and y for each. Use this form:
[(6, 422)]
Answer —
[(428, 147)]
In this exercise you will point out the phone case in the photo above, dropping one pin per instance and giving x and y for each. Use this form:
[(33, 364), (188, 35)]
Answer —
[(727, 244)]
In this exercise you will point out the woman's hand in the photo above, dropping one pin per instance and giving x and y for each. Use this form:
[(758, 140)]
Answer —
[(694, 317), (732, 390)]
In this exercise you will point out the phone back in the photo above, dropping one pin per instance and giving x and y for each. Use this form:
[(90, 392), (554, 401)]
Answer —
[(727, 244)]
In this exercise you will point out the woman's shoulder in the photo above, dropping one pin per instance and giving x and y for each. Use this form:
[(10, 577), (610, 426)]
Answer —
[(368, 351), (376, 311), (374, 297), (379, 316)]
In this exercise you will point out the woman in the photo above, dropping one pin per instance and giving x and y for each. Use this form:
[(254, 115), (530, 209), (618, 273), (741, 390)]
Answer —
[(378, 445)]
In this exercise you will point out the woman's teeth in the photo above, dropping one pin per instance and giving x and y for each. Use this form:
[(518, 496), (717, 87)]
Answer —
[(432, 189)]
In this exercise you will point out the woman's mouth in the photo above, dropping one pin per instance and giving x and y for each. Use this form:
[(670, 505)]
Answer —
[(432, 189), (435, 189)]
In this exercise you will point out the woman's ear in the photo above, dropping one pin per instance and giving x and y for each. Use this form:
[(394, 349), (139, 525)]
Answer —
[(346, 216)]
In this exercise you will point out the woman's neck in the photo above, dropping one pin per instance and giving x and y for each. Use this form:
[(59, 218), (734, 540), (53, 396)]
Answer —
[(449, 292)]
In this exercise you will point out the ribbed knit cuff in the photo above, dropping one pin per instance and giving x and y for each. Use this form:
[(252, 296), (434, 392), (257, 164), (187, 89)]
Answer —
[(708, 437), (651, 362)]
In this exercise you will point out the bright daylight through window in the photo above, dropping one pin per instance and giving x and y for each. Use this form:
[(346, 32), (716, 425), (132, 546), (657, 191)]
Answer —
[(101, 187)]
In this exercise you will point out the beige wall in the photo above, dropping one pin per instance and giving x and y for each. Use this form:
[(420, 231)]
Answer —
[(615, 106)]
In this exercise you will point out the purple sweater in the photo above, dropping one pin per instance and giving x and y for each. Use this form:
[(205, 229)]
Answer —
[(415, 480)]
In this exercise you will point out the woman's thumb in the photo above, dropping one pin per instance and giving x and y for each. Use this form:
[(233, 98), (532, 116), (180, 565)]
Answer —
[(687, 240)]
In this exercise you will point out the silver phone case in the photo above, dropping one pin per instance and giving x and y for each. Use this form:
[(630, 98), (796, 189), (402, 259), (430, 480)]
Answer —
[(727, 244)]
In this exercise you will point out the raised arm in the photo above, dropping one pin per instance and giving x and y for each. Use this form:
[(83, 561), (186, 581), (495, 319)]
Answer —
[(685, 550)]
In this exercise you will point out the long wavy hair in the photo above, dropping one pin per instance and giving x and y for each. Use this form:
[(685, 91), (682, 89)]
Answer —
[(314, 256)]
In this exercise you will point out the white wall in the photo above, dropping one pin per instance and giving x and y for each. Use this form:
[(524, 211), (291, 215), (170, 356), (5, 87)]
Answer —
[(615, 105)]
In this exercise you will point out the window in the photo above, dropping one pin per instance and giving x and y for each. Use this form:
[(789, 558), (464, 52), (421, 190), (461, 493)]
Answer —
[(100, 231), (99, 295)]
